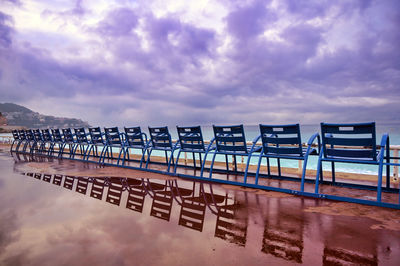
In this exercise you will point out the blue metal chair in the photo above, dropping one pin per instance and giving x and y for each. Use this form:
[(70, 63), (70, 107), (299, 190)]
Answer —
[(22, 139), (29, 141), (16, 139), (160, 139), (38, 140), (284, 142), (134, 138), (190, 140), (96, 139), (113, 139), (230, 140), (47, 139), (81, 142), (68, 139), (352, 143), (57, 139)]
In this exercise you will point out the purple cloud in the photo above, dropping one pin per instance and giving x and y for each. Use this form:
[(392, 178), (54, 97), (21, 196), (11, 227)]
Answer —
[(5, 30), (250, 21), (144, 64), (119, 22)]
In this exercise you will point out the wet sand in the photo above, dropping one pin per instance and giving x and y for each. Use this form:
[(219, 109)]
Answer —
[(52, 214)]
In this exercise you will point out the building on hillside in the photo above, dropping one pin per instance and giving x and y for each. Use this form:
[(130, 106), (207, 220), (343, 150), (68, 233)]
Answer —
[(3, 120)]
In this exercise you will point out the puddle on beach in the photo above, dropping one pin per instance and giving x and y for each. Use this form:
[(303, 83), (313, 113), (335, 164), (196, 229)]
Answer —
[(72, 213)]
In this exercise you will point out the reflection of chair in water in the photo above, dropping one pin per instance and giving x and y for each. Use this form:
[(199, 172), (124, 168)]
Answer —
[(162, 200), (69, 182), (192, 206), (283, 235), (97, 188), (192, 213), (137, 194), (82, 185), (57, 180), (231, 226), (46, 178), (114, 192)]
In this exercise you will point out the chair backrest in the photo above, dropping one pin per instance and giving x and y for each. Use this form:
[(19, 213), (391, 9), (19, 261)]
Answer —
[(95, 135), (134, 136), (22, 134), (29, 134), (57, 137), (80, 134), (281, 139), (68, 136), (191, 138), (112, 136), (356, 140), (15, 134), (46, 135), (230, 138), (37, 135), (160, 137)]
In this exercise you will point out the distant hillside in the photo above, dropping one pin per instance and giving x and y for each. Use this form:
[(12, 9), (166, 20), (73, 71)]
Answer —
[(18, 115)]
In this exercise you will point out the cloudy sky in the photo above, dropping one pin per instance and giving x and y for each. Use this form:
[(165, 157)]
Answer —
[(126, 62)]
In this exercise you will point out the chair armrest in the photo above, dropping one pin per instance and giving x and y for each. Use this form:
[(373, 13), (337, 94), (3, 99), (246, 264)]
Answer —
[(312, 139), (384, 145), (145, 136), (256, 139), (210, 145)]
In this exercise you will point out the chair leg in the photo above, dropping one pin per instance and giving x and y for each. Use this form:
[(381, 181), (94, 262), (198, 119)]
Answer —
[(247, 166), (122, 150), (227, 164), (212, 164), (194, 160), (203, 164), (177, 160), (148, 157), (379, 191), (126, 154), (269, 167), (61, 150), (12, 145), (333, 172), (171, 159), (279, 167), (143, 156), (101, 154), (303, 176), (258, 167), (319, 169)]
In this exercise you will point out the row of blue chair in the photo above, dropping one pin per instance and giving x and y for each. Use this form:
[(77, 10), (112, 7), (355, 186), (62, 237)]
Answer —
[(343, 143)]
